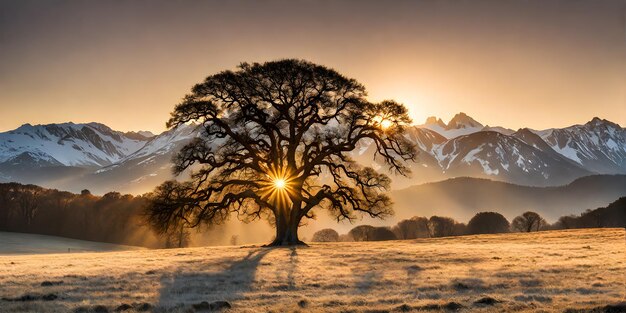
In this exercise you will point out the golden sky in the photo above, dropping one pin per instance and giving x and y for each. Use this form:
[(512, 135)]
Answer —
[(127, 63)]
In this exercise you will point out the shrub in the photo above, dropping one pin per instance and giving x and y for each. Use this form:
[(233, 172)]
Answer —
[(371, 233), (326, 235)]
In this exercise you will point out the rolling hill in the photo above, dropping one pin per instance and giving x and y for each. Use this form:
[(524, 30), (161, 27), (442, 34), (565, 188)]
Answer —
[(463, 197)]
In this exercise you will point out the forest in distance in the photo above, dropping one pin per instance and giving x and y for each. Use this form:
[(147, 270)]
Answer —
[(120, 219)]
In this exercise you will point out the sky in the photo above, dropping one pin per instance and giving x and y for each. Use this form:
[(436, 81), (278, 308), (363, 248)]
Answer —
[(126, 64)]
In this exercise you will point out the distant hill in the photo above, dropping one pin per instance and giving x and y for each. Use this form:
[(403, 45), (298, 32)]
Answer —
[(461, 198), (613, 215)]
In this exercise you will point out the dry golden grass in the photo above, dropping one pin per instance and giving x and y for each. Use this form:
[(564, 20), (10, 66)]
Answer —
[(547, 271)]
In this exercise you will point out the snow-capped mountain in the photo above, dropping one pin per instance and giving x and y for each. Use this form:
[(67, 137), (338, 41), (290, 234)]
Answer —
[(67, 144), (539, 158), (425, 169), (166, 144), (461, 124), (598, 145), (76, 156), (507, 158), (145, 168), (55, 155), (92, 156)]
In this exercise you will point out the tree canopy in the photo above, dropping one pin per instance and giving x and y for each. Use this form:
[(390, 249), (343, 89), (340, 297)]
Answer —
[(528, 221), (488, 223), (325, 235), (276, 143)]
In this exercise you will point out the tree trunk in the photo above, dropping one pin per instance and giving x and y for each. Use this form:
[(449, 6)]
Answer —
[(286, 231)]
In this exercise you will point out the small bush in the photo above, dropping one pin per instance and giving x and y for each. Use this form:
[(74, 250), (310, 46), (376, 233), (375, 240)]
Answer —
[(326, 235)]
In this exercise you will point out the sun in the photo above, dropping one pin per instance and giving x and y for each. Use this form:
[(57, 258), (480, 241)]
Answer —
[(278, 186), (280, 183), (383, 122)]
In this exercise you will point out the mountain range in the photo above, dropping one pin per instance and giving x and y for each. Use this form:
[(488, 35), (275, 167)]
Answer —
[(464, 147), (93, 156)]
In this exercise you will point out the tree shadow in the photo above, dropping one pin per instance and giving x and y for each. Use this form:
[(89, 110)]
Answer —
[(365, 279), (413, 273), (291, 271), (286, 277), (186, 287)]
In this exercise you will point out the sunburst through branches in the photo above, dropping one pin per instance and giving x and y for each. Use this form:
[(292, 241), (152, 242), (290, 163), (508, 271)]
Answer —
[(277, 187)]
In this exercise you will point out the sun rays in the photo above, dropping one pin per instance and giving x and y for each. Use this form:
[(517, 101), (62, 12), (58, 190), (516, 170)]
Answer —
[(279, 183), (278, 186)]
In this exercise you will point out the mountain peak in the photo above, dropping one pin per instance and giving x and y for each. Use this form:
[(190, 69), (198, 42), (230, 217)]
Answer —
[(460, 124), (146, 133), (524, 131), (432, 120), (596, 121), (140, 135), (462, 120)]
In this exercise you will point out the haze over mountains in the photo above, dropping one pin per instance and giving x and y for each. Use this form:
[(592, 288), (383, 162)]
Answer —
[(463, 197), (77, 156)]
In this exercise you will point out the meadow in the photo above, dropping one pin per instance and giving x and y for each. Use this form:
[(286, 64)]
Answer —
[(551, 271)]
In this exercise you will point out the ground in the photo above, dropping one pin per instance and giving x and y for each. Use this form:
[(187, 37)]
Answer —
[(546, 271)]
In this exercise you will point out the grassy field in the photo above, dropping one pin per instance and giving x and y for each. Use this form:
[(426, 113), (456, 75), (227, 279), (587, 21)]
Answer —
[(547, 271)]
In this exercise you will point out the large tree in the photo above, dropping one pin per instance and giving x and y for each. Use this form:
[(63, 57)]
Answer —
[(276, 142)]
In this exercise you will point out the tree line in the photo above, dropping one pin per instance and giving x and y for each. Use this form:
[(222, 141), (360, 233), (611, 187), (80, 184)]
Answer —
[(121, 219), (614, 215), (112, 218)]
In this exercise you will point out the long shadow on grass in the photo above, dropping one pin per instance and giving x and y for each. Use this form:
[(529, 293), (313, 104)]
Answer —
[(189, 287)]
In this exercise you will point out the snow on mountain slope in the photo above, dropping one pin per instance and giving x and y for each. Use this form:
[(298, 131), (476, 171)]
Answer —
[(599, 145), (520, 157), (424, 169), (35, 159), (147, 167), (529, 137), (164, 144), (425, 139), (68, 144), (495, 155), (76, 156)]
